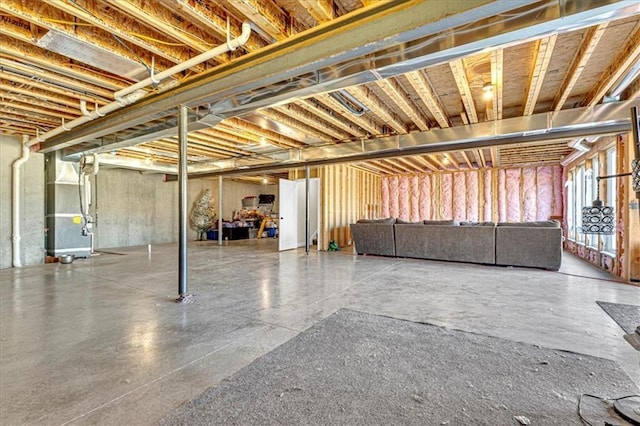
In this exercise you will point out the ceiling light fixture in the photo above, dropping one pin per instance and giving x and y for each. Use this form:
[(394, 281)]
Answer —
[(487, 92), (90, 54)]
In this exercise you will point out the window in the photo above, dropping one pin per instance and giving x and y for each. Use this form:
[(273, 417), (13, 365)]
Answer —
[(609, 241), (579, 201), (591, 191)]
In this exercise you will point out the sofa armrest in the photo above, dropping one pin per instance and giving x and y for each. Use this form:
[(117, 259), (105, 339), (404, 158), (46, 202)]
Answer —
[(374, 238), (538, 247)]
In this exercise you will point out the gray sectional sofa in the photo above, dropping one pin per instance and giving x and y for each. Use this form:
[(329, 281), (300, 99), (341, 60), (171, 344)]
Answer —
[(531, 244)]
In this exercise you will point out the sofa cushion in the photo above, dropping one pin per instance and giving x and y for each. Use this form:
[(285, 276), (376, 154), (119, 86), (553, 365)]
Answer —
[(538, 224), (442, 222), (477, 224), (389, 221), (446, 242), (407, 222)]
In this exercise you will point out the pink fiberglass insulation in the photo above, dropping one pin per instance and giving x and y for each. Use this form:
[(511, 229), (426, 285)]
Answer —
[(385, 197), (488, 199), (393, 196), (459, 198), (415, 198), (472, 196), (513, 195), (446, 196), (425, 197), (403, 197), (545, 193), (557, 191), (502, 196), (529, 194)]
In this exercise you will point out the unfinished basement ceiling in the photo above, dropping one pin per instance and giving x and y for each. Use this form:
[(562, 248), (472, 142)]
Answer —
[(56, 54)]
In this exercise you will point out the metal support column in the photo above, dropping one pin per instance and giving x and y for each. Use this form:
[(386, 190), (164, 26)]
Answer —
[(306, 211), (182, 196), (220, 210)]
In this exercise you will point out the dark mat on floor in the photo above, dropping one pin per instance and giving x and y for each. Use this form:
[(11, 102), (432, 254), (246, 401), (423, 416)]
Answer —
[(627, 316), (355, 368)]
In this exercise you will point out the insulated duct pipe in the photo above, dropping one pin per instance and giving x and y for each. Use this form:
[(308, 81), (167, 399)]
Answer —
[(133, 93), (15, 204)]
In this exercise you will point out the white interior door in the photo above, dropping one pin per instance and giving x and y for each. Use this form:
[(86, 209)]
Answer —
[(288, 210)]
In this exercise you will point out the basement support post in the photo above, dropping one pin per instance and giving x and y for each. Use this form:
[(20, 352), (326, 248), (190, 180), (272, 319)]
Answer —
[(183, 297), (306, 210), (220, 210)]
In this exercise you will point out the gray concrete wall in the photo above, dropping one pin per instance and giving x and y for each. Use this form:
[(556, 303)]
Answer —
[(31, 204), (138, 209)]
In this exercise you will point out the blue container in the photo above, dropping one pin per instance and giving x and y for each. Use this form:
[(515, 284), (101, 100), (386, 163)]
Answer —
[(271, 232), (212, 235)]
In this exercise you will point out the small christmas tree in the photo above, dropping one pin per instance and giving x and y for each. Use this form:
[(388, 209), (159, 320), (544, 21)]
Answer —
[(203, 215)]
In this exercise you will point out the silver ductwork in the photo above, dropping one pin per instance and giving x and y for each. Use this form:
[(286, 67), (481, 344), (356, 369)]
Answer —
[(598, 120), (409, 35)]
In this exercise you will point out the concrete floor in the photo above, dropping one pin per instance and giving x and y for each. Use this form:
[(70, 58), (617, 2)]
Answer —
[(102, 341)]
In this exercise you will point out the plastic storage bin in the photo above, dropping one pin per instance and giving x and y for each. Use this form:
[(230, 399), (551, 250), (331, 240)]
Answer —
[(212, 235)]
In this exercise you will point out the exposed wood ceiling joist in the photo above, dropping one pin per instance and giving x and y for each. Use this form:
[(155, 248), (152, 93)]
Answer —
[(587, 47), (421, 85), (544, 51), (378, 108), (41, 87), (459, 74), (497, 77), (401, 99), (629, 54)]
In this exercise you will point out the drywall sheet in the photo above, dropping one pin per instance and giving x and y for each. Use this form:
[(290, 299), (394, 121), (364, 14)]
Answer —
[(513, 177), (472, 196), (403, 197), (446, 196), (502, 196), (545, 193), (393, 197), (385, 198), (414, 193), (459, 199), (488, 196), (425, 197), (529, 194)]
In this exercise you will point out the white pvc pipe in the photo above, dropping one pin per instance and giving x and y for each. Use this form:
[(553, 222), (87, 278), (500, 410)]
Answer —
[(133, 93), (223, 48), (15, 204)]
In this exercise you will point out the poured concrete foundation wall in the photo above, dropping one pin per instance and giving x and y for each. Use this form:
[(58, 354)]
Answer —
[(31, 204), (138, 209), (498, 195)]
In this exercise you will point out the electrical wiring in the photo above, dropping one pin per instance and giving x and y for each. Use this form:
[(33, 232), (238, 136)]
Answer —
[(155, 40), (587, 422)]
